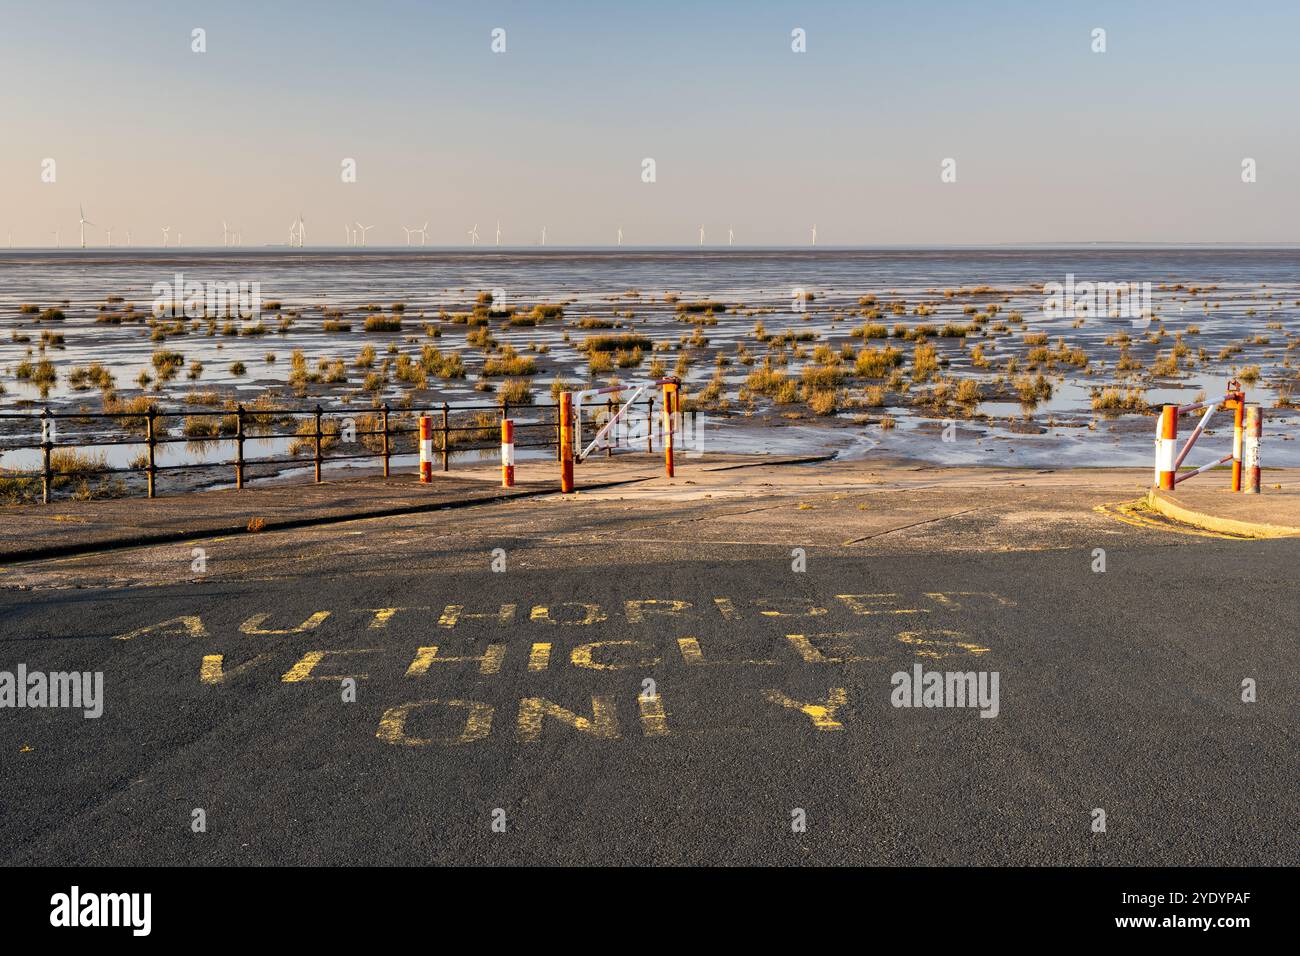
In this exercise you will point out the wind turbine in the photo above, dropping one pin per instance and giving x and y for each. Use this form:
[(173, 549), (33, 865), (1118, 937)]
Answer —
[(408, 234), (165, 231), (423, 231), (731, 236), (128, 238), (179, 236), (347, 231), (302, 231), (364, 230), (701, 233), (814, 234), (83, 222), (620, 235), (498, 232), (543, 235), (56, 240), (473, 235), (108, 230), (225, 234)]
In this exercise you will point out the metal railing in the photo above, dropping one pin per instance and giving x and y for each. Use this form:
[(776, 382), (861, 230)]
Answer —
[(319, 430)]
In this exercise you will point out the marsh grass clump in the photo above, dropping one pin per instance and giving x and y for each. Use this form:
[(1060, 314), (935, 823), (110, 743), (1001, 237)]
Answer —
[(83, 472), (1113, 400), (443, 366), (1030, 391), (383, 323), (925, 362), (166, 364), (877, 362), (510, 362), (614, 343), (516, 391), (704, 305), (91, 376), (41, 373)]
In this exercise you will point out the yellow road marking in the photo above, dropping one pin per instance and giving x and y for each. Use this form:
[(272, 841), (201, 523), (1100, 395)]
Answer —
[(1135, 513)]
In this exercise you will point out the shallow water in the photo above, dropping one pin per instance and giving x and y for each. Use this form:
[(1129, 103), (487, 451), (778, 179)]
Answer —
[(595, 283)]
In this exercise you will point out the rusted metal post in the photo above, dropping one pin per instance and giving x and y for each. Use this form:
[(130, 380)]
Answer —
[(239, 448), (47, 446), (151, 442), (319, 436), (446, 440), (384, 419), (566, 442), (670, 408), (650, 427)]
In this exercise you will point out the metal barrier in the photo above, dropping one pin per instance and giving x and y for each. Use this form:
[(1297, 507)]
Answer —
[(318, 428), (1168, 459), (571, 404)]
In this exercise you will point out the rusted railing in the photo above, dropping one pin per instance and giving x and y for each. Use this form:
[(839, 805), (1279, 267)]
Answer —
[(320, 430)]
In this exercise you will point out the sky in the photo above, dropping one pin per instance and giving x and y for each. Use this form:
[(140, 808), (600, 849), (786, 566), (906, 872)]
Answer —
[(1052, 141)]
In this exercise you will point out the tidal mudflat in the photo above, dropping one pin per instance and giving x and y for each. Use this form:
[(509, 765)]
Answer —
[(949, 356)]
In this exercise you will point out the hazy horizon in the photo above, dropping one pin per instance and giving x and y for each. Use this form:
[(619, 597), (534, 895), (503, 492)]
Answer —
[(1143, 143)]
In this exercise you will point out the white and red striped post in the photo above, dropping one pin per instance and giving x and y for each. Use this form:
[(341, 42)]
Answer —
[(426, 449), (1250, 449), (1166, 450), (507, 453)]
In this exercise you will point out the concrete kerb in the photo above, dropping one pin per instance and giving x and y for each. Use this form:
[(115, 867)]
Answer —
[(1168, 505)]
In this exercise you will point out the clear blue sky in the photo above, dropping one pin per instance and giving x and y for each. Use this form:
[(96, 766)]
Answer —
[(1053, 142)]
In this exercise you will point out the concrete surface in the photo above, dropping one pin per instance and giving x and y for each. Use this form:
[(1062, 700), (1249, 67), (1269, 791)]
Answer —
[(1120, 682)]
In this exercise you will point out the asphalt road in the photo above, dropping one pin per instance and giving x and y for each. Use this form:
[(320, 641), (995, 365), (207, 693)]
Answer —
[(1118, 691)]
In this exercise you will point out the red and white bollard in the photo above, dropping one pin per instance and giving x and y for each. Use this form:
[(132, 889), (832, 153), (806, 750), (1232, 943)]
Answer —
[(1166, 450), (1250, 449), (426, 449), (507, 453)]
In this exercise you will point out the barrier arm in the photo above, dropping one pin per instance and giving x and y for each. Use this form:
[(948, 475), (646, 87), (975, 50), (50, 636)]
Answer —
[(587, 393)]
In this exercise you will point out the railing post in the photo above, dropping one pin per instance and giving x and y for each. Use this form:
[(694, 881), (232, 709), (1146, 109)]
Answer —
[(151, 441), (47, 446), (609, 417), (319, 436), (650, 427), (239, 448), (446, 440), (384, 419)]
